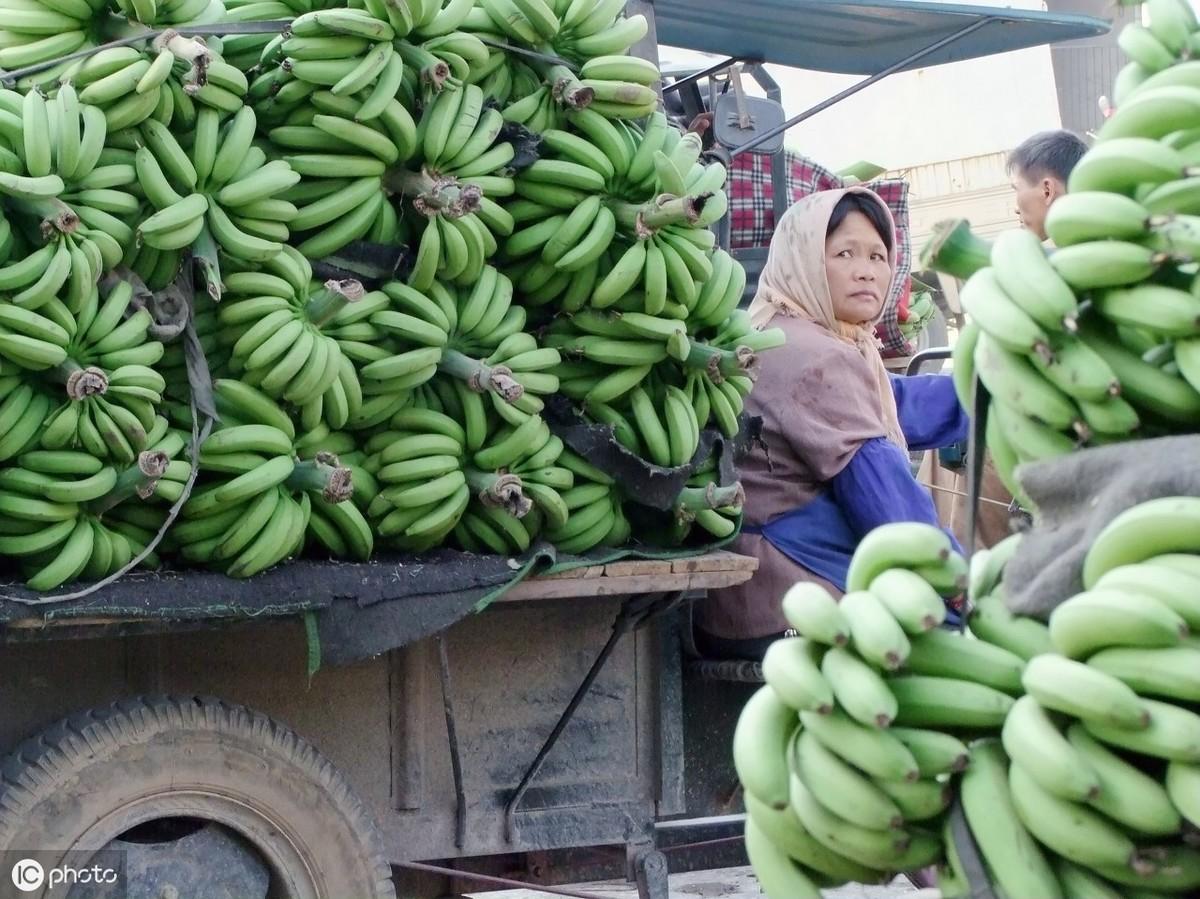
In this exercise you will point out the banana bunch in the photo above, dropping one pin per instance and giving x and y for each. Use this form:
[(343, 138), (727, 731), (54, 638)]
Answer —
[(55, 505), (584, 529), (452, 195), (592, 34), (455, 346), (141, 516), (847, 760), (1090, 784), (1060, 376), (258, 509), (112, 392), (24, 405), (172, 12), (419, 462), (920, 313), (445, 61), (165, 80), (42, 32), (273, 322), (716, 509), (1155, 49), (221, 193), (57, 183), (596, 218)]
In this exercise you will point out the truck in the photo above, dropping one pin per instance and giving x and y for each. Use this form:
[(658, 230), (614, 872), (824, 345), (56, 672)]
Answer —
[(423, 725)]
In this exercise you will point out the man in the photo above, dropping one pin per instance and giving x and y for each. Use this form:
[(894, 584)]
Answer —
[(1039, 169)]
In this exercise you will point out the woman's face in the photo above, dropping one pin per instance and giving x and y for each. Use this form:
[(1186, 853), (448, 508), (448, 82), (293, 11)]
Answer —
[(856, 266)]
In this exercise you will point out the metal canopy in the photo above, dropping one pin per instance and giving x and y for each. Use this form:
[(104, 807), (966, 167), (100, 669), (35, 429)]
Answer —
[(859, 37)]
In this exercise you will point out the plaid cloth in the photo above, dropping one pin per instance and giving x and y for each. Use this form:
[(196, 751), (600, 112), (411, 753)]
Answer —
[(752, 220)]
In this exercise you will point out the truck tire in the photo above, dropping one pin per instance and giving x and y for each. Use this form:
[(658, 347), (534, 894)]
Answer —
[(86, 780)]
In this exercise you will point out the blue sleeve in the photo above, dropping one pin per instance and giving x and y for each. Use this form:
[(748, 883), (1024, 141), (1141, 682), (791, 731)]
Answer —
[(930, 414), (877, 487)]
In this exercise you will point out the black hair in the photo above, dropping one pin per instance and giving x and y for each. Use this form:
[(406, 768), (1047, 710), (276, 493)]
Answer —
[(1049, 153), (855, 202)]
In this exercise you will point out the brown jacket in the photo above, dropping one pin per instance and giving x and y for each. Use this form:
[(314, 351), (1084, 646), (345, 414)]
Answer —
[(819, 403)]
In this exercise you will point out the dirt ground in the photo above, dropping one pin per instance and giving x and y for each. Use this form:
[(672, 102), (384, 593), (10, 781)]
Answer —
[(729, 883)]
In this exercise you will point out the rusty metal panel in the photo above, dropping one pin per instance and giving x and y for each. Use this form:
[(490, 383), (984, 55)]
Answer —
[(514, 668)]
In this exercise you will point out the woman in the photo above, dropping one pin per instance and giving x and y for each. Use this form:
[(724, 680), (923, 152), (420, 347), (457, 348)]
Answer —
[(836, 426)]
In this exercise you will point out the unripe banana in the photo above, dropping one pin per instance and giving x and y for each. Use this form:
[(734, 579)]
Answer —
[(869, 749), (1032, 739), (778, 876), (1183, 788), (1127, 795), (936, 753), (1014, 859), (880, 849), (876, 635), (840, 788), (784, 829), (1173, 734), (790, 668), (941, 653), (1083, 691), (859, 689), (810, 609), (896, 545), (1091, 621), (909, 597), (1172, 673), (1068, 828), (947, 702), (760, 742)]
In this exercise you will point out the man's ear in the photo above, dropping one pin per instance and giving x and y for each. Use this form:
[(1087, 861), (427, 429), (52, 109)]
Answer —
[(1052, 189)]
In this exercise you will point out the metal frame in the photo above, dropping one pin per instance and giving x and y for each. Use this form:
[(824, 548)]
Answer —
[(931, 355), (635, 611)]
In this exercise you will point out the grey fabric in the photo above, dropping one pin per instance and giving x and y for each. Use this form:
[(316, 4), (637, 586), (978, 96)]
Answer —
[(1076, 496)]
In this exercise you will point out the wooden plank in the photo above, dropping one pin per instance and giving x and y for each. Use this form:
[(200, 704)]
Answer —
[(710, 571), (535, 588), (717, 561), (573, 573), (637, 566)]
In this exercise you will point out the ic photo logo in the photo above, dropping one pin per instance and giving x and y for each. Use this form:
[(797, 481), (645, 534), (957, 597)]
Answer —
[(28, 875), (100, 877)]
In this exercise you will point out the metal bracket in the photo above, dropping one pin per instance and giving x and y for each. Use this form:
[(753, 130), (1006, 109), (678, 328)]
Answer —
[(650, 874), (460, 795), (635, 612)]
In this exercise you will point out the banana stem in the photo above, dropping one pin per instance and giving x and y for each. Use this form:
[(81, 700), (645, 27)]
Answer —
[(718, 364), (331, 298), (80, 382), (955, 250), (434, 72), (645, 219), (187, 49), (481, 377), (567, 89), (56, 216), (434, 194), (696, 499), (325, 475), (501, 491), (140, 480)]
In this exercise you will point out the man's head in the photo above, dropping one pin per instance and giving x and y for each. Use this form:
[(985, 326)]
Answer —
[(1039, 169)]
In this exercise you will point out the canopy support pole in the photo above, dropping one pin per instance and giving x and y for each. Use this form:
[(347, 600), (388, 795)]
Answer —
[(866, 82)]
